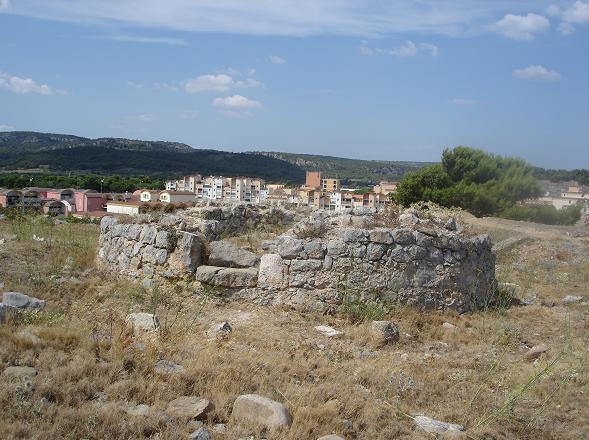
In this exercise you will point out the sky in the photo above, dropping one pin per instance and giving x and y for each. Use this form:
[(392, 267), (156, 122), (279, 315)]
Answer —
[(368, 79)]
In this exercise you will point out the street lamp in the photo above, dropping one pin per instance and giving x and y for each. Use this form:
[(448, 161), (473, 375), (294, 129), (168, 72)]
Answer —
[(101, 182)]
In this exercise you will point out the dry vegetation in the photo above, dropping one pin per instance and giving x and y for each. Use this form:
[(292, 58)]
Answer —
[(90, 367)]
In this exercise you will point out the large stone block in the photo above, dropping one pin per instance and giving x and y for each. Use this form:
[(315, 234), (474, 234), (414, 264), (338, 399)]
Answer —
[(273, 272), (224, 253), (258, 410)]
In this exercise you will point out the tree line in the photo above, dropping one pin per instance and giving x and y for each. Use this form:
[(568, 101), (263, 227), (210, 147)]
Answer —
[(106, 183)]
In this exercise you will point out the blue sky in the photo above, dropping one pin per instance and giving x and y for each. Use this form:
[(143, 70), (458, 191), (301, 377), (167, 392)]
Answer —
[(394, 80)]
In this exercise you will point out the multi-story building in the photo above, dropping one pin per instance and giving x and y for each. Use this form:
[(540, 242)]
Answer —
[(238, 189), (385, 188)]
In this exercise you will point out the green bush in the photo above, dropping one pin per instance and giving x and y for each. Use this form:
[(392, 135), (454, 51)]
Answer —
[(479, 182), (548, 215)]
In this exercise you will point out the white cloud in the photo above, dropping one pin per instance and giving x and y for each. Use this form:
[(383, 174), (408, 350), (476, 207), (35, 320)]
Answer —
[(536, 73), (4, 127), (20, 85), (577, 13), (462, 101), (4, 5), (145, 118), (566, 28), (236, 102), (134, 84), (275, 59), (366, 18), (407, 49), (522, 27), (217, 83), (146, 40)]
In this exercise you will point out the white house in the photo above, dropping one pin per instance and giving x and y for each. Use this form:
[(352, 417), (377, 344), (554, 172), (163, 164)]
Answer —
[(149, 196)]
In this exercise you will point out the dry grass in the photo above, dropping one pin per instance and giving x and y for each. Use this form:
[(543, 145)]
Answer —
[(89, 365)]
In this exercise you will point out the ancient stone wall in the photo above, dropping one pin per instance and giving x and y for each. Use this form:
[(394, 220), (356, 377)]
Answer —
[(423, 266), (421, 262)]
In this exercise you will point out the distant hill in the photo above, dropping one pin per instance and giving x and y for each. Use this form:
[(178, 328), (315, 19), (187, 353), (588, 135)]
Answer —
[(59, 153), (354, 172), (30, 141)]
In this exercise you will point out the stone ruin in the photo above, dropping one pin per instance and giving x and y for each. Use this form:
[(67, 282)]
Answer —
[(424, 262)]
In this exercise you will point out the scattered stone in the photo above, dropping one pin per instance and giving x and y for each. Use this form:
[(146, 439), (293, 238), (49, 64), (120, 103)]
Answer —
[(142, 323), (29, 337), (219, 428), (224, 253), (189, 407), (260, 410), (328, 331), (136, 410), (18, 372), (167, 367), (21, 301), (384, 332), (219, 329), (408, 219), (572, 299), (331, 437), (36, 238), (450, 225), (200, 434), (535, 352), (433, 426), (449, 325)]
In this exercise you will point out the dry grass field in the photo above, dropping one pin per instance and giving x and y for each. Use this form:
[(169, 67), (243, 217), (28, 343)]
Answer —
[(91, 370)]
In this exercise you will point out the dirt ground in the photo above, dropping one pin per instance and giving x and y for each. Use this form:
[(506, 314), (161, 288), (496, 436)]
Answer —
[(91, 370)]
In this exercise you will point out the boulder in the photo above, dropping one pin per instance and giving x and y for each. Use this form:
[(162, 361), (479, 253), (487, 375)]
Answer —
[(336, 248), (189, 407), (433, 426), (305, 265), (252, 408), (206, 274), (451, 225), (273, 272), (21, 301), (381, 235), (226, 254), (142, 323), (384, 332)]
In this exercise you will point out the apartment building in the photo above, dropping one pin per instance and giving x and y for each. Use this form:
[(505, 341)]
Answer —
[(568, 196), (219, 188)]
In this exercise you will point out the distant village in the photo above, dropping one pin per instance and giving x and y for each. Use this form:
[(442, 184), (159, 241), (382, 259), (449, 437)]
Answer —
[(318, 192)]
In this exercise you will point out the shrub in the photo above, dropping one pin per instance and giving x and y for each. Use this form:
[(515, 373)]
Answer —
[(546, 214)]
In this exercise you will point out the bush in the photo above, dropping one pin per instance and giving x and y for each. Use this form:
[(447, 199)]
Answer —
[(546, 214), (481, 183)]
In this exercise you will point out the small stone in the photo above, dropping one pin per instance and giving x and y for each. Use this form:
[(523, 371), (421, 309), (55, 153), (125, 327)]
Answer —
[(189, 407), (200, 434), (142, 323), (259, 410), (219, 428), (18, 372), (433, 426), (167, 367), (219, 329), (384, 332), (137, 410), (572, 299), (449, 325), (450, 225), (29, 337), (331, 437), (535, 352), (328, 331)]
